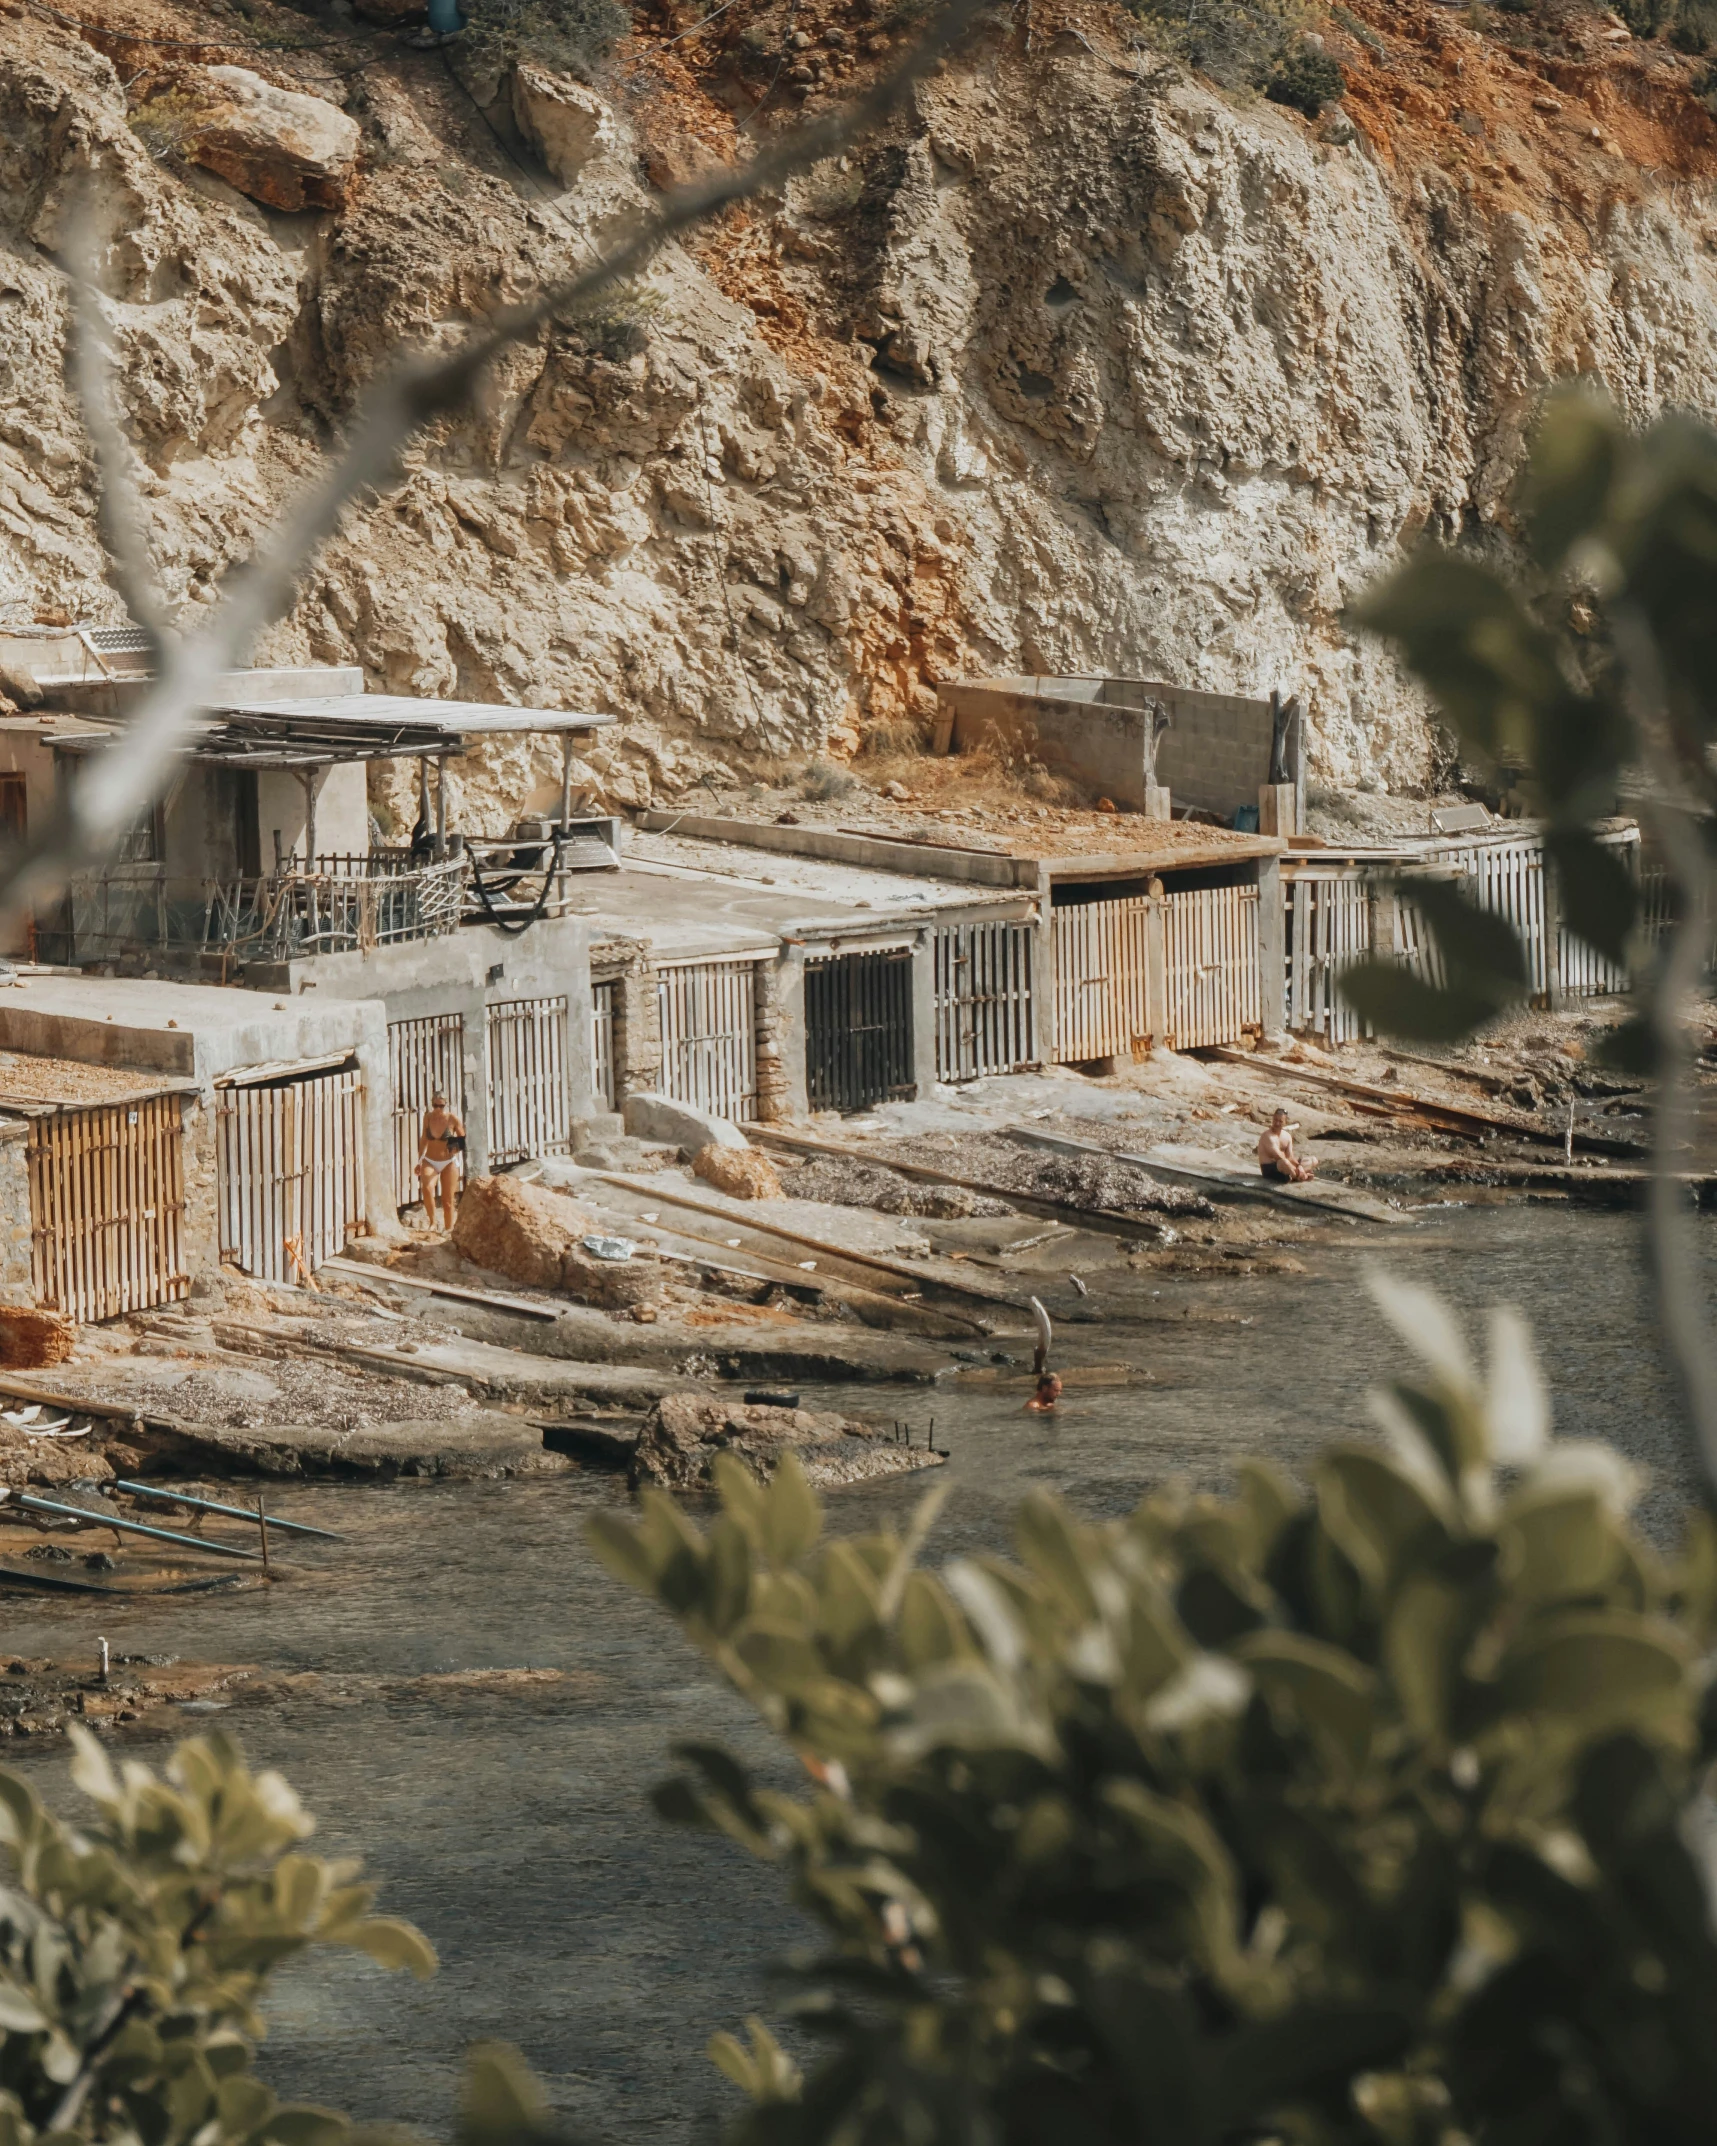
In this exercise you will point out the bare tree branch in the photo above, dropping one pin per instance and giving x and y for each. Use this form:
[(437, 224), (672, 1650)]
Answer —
[(128, 775), (1674, 1244), (119, 496)]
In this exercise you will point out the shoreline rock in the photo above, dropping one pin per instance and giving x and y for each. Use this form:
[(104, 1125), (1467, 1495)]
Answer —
[(685, 1431)]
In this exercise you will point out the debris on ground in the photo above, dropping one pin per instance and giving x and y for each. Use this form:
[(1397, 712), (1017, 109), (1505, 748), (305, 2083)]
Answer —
[(1084, 1181), (839, 1181)]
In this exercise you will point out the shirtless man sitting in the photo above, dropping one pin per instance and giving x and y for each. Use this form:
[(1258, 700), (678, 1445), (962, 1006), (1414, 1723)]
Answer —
[(1276, 1157), (439, 1149)]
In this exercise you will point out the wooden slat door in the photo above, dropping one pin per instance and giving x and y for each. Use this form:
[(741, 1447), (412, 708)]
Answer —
[(424, 1056), (858, 1030), (604, 1009), (1101, 978), (291, 1161), (1210, 966), (524, 1056), (708, 1015), (107, 1206), (983, 1000)]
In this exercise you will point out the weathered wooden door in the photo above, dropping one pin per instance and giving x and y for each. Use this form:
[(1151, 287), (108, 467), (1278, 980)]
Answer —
[(983, 999), (709, 1036), (524, 1051), (1102, 986), (1210, 966), (291, 1159), (858, 1030), (107, 1206), (425, 1057)]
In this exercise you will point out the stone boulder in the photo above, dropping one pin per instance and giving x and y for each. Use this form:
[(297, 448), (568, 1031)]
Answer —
[(679, 1125), (684, 1432), (31, 1340), (532, 1236), (570, 125), (742, 1173), (278, 146), (508, 1227)]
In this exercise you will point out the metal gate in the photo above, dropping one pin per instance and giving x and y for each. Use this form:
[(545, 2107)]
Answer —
[(604, 999), (107, 1206), (983, 1000), (291, 1157), (709, 1036), (524, 1069), (424, 1057), (858, 1030), (1329, 928), (1101, 978), (1210, 966)]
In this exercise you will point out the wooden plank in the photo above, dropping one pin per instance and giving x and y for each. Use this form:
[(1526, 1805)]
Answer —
[(1344, 1202), (1459, 1117), (1105, 1222), (489, 1298)]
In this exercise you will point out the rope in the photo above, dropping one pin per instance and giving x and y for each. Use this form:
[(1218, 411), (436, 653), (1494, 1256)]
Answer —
[(514, 926)]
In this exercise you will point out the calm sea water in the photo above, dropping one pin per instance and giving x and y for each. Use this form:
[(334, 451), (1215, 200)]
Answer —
[(516, 1831)]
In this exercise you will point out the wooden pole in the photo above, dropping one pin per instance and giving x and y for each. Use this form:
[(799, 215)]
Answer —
[(262, 1527)]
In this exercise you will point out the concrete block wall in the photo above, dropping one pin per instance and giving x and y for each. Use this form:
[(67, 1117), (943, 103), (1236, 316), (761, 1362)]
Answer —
[(1214, 756)]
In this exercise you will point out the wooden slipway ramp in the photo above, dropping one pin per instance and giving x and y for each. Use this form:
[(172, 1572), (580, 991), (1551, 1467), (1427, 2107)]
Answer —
[(1226, 1176)]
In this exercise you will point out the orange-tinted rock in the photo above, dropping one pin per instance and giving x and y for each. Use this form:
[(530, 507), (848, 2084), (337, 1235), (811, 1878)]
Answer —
[(278, 146), (30, 1340), (742, 1173)]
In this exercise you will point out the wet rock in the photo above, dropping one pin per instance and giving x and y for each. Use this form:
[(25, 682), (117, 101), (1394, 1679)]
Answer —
[(278, 146), (570, 125), (684, 1432), (742, 1173), (30, 1340)]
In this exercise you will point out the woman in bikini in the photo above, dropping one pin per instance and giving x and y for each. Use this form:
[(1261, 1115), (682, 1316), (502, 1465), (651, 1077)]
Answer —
[(439, 1149)]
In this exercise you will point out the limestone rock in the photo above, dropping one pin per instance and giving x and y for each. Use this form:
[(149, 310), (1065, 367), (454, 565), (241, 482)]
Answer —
[(569, 124), (508, 1227), (31, 1340), (742, 1173), (685, 1431), (680, 1125), (278, 146), (610, 1284)]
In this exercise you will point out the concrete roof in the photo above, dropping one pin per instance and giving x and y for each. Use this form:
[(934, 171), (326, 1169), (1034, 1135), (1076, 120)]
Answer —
[(1089, 846), (686, 898), (196, 1031)]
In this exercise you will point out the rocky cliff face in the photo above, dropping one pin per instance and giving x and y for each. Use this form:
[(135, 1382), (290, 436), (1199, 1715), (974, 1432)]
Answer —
[(1083, 366)]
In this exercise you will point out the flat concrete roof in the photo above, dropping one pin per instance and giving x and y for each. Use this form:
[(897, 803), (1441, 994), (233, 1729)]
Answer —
[(31, 1084), (1095, 845), (196, 1031), (687, 898)]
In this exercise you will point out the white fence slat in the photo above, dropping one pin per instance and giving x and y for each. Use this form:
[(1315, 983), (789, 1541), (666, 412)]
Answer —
[(708, 1015)]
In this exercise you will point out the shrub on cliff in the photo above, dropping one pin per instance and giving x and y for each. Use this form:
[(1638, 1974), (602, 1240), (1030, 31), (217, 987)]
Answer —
[(1306, 80), (569, 36), (1238, 43)]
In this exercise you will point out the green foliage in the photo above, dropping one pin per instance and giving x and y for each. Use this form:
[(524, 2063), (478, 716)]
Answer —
[(1306, 80), (163, 124), (571, 36), (1239, 43), (1693, 27), (133, 1951), (1349, 1815), (1627, 524)]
